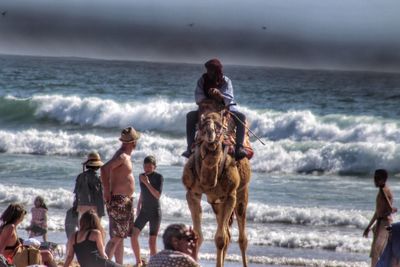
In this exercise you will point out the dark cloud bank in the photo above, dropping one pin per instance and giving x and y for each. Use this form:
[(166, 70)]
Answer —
[(311, 34)]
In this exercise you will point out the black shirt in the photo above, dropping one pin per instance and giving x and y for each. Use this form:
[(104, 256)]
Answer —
[(149, 202)]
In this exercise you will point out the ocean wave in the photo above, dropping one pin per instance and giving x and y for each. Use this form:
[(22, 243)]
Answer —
[(303, 125), (153, 115), (275, 157), (61, 199), (327, 238), (76, 144), (264, 260), (57, 198), (286, 261), (164, 115), (262, 213), (308, 239), (330, 157)]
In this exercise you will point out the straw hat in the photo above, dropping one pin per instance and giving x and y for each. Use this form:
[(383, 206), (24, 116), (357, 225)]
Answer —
[(129, 135), (93, 160)]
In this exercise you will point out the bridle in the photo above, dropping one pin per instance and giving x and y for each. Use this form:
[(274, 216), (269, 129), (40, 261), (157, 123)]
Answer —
[(218, 128)]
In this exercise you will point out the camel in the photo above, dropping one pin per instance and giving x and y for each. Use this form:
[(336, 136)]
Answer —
[(213, 172)]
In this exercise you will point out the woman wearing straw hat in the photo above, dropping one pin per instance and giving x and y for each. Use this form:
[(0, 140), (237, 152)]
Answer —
[(88, 188)]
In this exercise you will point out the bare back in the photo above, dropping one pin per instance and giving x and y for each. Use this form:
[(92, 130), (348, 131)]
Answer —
[(384, 200), (120, 178), (8, 238)]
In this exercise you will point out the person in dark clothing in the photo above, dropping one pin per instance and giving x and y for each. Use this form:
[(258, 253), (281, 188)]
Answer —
[(88, 188), (71, 222), (215, 85), (148, 208), (88, 243)]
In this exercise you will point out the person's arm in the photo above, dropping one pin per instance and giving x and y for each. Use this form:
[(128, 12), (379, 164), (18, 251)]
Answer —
[(76, 185), (145, 180), (70, 251), (100, 244), (44, 219), (199, 92), (389, 199), (5, 235), (139, 204), (105, 175), (366, 231), (227, 93)]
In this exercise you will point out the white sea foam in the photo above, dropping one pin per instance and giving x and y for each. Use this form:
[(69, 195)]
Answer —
[(169, 116), (157, 114), (327, 240), (281, 261), (262, 213), (280, 157), (297, 141), (259, 233), (57, 198), (286, 261), (72, 144), (290, 157)]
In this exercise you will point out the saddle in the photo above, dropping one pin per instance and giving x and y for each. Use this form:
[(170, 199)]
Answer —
[(228, 127)]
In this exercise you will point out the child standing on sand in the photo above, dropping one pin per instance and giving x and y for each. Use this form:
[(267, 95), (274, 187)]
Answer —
[(38, 225), (382, 216), (148, 208)]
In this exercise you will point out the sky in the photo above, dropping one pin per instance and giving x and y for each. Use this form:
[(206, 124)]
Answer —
[(327, 34)]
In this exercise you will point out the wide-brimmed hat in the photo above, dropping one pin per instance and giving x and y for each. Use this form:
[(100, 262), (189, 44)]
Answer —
[(129, 135), (93, 160)]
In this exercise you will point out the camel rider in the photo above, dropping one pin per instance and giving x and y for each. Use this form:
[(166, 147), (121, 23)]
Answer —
[(215, 85)]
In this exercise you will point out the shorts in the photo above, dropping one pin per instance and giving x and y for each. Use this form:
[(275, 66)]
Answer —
[(121, 215), (153, 217), (36, 230)]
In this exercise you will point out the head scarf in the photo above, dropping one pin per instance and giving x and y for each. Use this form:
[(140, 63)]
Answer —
[(216, 66)]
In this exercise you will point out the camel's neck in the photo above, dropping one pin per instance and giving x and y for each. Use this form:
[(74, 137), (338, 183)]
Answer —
[(209, 164), (211, 153)]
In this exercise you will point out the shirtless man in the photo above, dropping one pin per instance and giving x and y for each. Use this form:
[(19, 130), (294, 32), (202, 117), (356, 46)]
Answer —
[(382, 216), (119, 185)]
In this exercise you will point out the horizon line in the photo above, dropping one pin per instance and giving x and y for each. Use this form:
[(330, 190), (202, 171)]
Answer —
[(196, 63)]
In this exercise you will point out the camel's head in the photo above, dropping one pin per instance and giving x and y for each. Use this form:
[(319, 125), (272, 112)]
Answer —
[(211, 127)]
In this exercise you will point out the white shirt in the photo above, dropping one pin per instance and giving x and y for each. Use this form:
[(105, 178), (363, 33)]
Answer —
[(226, 91)]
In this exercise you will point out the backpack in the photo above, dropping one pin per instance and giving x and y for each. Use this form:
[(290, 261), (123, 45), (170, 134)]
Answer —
[(25, 256)]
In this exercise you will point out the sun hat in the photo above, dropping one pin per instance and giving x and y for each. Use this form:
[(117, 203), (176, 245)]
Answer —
[(129, 135), (93, 160)]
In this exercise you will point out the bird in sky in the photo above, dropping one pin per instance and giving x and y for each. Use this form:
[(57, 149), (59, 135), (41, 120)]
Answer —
[(4, 13), (191, 24), (264, 28)]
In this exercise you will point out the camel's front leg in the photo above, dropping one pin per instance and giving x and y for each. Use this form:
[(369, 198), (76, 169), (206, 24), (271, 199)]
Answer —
[(240, 211), (222, 237), (194, 203)]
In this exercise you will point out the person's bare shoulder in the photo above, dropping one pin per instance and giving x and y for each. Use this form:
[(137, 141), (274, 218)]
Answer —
[(8, 229), (95, 234), (387, 191), (125, 157), (117, 159)]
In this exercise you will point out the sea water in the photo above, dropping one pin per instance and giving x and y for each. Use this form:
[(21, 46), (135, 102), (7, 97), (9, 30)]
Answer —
[(311, 193)]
